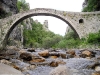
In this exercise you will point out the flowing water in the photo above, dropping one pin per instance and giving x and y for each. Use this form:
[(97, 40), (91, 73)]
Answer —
[(78, 66)]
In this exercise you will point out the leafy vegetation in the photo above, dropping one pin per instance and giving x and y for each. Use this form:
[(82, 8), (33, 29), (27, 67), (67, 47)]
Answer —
[(38, 37), (93, 5), (21, 4), (94, 38)]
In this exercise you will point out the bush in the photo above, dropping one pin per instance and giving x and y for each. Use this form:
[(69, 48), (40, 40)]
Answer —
[(94, 38), (93, 5), (21, 4)]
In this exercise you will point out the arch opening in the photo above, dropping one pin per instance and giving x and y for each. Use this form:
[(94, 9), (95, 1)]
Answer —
[(81, 21)]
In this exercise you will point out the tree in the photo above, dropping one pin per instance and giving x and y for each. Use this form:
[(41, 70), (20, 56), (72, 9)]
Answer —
[(21, 4)]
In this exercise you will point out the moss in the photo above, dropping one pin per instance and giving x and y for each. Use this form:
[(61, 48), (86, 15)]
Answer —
[(64, 13), (11, 21)]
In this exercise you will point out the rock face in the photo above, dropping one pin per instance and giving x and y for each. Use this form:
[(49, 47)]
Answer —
[(68, 29), (45, 25), (17, 34), (8, 6)]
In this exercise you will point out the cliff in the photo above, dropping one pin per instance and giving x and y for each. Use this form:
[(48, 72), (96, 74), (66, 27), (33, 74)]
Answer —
[(8, 7)]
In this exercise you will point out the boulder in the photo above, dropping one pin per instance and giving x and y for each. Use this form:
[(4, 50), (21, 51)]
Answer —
[(44, 53), (53, 64), (87, 53), (71, 52), (63, 55), (26, 56), (60, 70), (5, 69)]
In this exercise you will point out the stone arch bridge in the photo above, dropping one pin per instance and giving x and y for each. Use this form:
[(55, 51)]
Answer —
[(82, 23)]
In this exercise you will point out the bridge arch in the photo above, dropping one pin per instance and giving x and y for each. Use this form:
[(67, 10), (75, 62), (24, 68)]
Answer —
[(41, 12)]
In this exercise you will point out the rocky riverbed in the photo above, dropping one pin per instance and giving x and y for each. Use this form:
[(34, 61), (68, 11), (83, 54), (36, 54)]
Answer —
[(32, 61)]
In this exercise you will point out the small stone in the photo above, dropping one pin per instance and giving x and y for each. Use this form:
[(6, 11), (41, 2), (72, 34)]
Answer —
[(53, 57), (71, 52), (22, 51), (88, 58), (39, 59), (97, 68), (31, 67)]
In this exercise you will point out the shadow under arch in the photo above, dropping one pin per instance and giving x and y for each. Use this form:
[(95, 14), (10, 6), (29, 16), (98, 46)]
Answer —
[(30, 15)]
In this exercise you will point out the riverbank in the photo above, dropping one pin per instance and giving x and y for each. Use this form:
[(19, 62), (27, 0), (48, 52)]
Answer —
[(32, 61)]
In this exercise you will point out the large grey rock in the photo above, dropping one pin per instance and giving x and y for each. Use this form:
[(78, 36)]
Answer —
[(60, 70), (5, 69)]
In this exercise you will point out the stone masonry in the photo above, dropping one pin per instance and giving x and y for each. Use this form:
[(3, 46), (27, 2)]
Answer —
[(82, 23)]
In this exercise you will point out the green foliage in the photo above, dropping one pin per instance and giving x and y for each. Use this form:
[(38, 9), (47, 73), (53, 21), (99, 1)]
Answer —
[(94, 38), (21, 4), (38, 37), (47, 42), (93, 5), (61, 44), (51, 42), (31, 37), (70, 35)]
